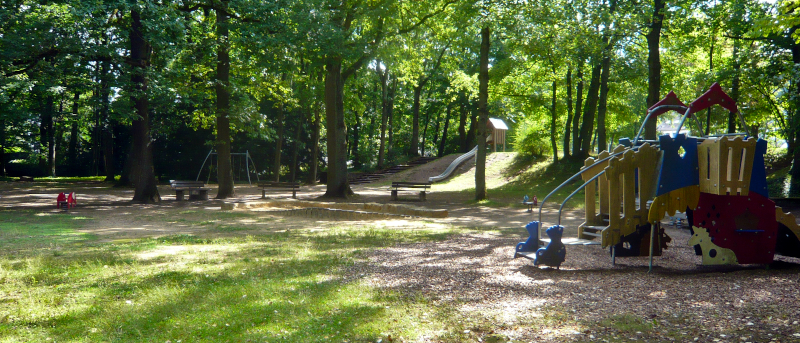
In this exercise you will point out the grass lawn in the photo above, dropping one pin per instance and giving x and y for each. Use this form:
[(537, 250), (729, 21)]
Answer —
[(60, 285)]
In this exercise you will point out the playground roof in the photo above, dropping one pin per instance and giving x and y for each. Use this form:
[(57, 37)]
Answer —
[(497, 124)]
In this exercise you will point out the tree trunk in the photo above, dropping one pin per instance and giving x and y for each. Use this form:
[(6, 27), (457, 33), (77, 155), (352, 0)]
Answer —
[(794, 185), (710, 71), (312, 166), (223, 94), (107, 138), (444, 132), (296, 147), (473, 128), (654, 64), (414, 146), (602, 107), (553, 133), (425, 133), (737, 67), (2, 147), (276, 160), (356, 132), (145, 182), (338, 186), (569, 114), (51, 138), (483, 110), (390, 119), (462, 124), (384, 78), (576, 143), (587, 126), (72, 147)]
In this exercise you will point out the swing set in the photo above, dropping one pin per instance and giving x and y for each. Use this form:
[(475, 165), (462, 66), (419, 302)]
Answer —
[(239, 166)]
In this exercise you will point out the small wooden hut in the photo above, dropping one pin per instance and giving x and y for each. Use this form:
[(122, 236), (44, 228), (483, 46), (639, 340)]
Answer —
[(497, 133)]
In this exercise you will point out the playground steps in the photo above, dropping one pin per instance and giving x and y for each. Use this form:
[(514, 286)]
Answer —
[(371, 177)]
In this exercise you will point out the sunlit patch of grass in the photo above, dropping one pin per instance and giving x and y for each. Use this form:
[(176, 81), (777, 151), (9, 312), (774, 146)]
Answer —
[(288, 286)]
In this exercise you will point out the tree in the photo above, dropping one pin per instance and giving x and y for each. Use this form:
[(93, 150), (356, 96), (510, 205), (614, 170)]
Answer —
[(483, 116)]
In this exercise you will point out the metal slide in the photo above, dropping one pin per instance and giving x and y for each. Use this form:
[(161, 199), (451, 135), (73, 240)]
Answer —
[(457, 162)]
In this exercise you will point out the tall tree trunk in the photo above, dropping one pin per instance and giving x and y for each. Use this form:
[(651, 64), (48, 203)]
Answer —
[(107, 137), (338, 186), (462, 124), (72, 147), (2, 147), (390, 119), (384, 78), (51, 138), (425, 133), (553, 133), (710, 72), (444, 132), (473, 126), (737, 67), (414, 146), (483, 110), (794, 185), (296, 147), (654, 64), (356, 132), (276, 160), (314, 162), (223, 95), (145, 182), (569, 114), (602, 107), (589, 108), (576, 143)]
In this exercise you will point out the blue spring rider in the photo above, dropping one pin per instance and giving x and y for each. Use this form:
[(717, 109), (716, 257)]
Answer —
[(533, 238), (555, 252)]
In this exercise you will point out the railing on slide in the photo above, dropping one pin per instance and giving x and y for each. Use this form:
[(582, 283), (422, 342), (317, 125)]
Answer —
[(457, 162)]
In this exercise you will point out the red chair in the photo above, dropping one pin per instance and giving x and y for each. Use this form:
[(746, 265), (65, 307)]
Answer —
[(71, 201), (61, 201)]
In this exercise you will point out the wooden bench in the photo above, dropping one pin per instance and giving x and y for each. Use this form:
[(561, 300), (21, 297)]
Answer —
[(197, 189), (293, 186), (422, 187)]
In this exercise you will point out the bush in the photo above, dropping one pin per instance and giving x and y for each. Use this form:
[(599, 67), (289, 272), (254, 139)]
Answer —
[(531, 139)]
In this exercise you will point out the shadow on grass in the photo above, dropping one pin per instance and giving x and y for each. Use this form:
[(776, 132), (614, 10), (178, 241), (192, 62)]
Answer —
[(283, 286)]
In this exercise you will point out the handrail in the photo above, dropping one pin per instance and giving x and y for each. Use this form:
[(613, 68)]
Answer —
[(576, 192), (579, 174), (541, 205), (453, 165)]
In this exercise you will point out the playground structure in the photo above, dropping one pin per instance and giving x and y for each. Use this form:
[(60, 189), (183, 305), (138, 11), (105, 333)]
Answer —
[(719, 181), (497, 135), (453, 165), (244, 159)]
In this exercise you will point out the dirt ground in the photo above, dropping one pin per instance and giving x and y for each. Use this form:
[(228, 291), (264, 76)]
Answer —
[(681, 301)]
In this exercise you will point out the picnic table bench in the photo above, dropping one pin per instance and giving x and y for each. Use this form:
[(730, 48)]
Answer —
[(293, 186), (421, 187), (197, 189)]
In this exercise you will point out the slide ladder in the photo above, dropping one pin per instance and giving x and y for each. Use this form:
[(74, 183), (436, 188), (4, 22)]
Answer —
[(457, 162)]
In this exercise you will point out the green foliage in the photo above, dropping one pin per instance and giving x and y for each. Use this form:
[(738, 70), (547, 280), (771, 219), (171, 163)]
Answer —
[(530, 140)]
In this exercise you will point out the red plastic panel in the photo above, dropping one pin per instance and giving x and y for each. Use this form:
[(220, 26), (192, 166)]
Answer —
[(744, 224), (670, 99), (714, 96)]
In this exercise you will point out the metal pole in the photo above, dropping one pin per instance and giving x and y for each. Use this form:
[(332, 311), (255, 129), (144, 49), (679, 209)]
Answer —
[(575, 192), (247, 165), (204, 164), (653, 229), (613, 255), (683, 119)]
